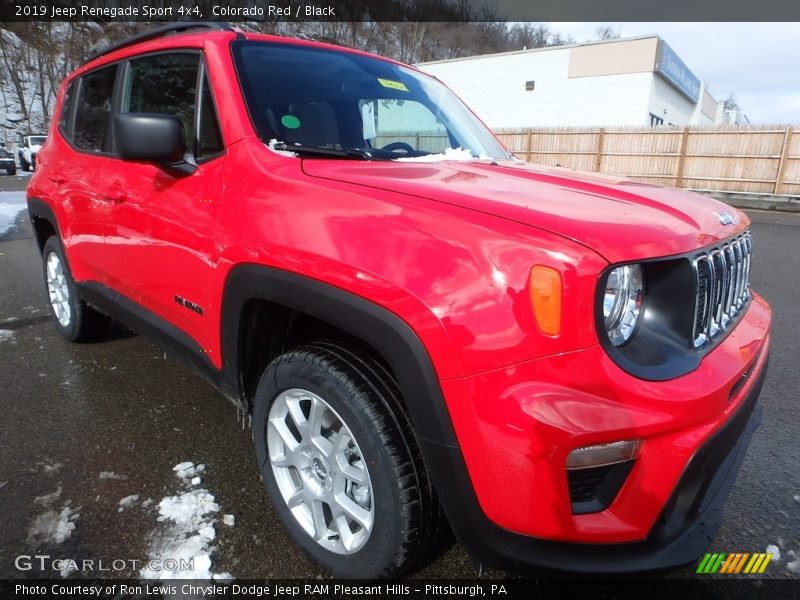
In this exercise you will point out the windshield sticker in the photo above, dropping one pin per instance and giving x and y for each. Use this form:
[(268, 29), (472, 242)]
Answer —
[(290, 121), (394, 85)]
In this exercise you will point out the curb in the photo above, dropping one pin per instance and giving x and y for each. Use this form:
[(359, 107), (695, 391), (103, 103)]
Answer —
[(754, 201)]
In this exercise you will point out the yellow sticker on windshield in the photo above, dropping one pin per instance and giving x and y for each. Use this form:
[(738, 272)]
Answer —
[(395, 85)]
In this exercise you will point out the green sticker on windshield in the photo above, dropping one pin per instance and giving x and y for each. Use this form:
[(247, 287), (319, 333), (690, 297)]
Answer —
[(290, 121), (395, 85)]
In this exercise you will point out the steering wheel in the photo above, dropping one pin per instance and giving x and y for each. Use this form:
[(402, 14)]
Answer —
[(399, 146)]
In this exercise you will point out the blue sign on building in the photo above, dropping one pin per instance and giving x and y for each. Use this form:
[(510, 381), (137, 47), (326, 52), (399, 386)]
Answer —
[(673, 69)]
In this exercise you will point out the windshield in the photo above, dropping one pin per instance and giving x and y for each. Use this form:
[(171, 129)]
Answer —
[(306, 97), (36, 140)]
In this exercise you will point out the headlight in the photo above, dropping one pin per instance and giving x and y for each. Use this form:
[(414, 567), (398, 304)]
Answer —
[(622, 302)]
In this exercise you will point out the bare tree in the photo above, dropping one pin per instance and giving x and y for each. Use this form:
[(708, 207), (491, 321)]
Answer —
[(606, 32)]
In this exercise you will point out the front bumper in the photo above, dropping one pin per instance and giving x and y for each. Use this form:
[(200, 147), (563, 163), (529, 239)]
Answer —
[(695, 430)]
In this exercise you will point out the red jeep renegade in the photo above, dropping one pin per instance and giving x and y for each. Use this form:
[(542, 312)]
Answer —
[(562, 365)]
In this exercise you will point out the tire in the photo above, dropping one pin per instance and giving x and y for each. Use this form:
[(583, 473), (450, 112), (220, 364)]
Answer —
[(23, 164), (11, 171), (33, 163), (359, 394), (74, 319)]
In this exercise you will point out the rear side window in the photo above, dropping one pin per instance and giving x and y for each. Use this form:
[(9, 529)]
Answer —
[(93, 115), (165, 84)]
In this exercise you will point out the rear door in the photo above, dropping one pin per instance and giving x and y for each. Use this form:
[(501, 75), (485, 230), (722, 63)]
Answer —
[(161, 240)]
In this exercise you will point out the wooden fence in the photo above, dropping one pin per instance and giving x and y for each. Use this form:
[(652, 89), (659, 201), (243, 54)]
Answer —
[(763, 159)]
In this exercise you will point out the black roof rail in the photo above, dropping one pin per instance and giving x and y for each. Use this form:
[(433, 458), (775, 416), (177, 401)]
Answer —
[(158, 32)]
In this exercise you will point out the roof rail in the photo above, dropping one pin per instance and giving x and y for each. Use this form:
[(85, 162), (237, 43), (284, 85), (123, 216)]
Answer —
[(158, 32)]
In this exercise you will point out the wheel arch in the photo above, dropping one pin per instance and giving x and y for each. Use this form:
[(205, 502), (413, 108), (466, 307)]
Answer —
[(43, 220), (373, 325)]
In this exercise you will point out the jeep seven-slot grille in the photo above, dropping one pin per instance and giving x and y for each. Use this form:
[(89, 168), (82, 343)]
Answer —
[(722, 275)]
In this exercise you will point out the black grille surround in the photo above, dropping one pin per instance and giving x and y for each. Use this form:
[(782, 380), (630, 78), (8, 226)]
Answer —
[(692, 301), (593, 489)]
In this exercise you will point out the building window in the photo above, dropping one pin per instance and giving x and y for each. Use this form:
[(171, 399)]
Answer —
[(529, 86), (655, 120)]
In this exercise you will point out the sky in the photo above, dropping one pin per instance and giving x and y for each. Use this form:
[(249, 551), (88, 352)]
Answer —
[(756, 62)]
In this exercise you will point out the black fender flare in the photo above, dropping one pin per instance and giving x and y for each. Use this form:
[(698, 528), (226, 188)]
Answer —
[(373, 324), (39, 209)]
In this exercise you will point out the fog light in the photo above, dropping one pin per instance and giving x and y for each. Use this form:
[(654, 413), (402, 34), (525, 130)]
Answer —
[(603, 454)]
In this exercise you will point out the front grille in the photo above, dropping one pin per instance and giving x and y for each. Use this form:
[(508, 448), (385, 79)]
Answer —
[(722, 277)]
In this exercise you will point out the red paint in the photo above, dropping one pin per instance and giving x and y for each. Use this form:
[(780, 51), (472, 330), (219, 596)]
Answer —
[(447, 247)]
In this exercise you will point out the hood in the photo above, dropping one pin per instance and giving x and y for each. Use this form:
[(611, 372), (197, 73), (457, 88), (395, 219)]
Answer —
[(620, 219)]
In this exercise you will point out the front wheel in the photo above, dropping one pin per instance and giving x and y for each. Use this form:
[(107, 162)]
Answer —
[(340, 462), (74, 319), (11, 170), (23, 164)]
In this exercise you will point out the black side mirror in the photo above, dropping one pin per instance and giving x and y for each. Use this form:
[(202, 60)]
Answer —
[(150, 137)]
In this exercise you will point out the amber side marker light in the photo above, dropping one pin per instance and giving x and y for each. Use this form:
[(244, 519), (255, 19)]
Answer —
[(545, 291), (601, 455)]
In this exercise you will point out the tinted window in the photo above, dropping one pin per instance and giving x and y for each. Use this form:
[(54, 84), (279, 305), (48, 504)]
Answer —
[(94, 110), (343, 100), (210, 139), (166, 84)]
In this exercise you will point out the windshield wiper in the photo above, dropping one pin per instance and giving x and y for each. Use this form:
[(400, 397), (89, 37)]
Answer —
[(319, 151)]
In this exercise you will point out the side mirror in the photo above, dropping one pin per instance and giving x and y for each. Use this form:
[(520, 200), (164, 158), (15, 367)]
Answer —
[(150, 137)]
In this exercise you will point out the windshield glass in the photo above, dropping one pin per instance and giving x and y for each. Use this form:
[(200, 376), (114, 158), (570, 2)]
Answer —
[(306, 96), (37, 140)]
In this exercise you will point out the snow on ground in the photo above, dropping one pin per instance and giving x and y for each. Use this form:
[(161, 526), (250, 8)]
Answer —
[(52, 526), (111, 475), (188, 531), (6, 335), (127, 502), (229, 520), (775, 551), (448, 154), (187, 470), (11, 204)]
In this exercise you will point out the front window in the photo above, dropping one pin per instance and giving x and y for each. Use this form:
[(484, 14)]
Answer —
[(307, 97)]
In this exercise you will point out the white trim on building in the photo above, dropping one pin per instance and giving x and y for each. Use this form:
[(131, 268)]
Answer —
[(636, 81)]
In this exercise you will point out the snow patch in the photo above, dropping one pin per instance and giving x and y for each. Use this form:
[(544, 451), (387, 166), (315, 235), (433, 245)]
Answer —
[(189, 530), (11, 204), (461, 154), (794, 565), (272, 144), (229, 520), (127, 502), (775, 551), (6, 335), (187, 470), (53, 527), (196, 480), (111, 475), (48, 499)]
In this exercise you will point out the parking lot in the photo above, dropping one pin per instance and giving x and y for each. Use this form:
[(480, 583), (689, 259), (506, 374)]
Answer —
[(85, 427)]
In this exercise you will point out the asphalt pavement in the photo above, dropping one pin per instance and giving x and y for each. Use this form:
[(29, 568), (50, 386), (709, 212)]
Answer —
[(84, 426)]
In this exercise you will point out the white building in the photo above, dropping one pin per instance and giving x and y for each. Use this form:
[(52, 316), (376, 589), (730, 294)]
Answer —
[(637, 81)]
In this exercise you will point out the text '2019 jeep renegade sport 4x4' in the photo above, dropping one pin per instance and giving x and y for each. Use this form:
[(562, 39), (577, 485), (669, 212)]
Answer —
[(563, 365)]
